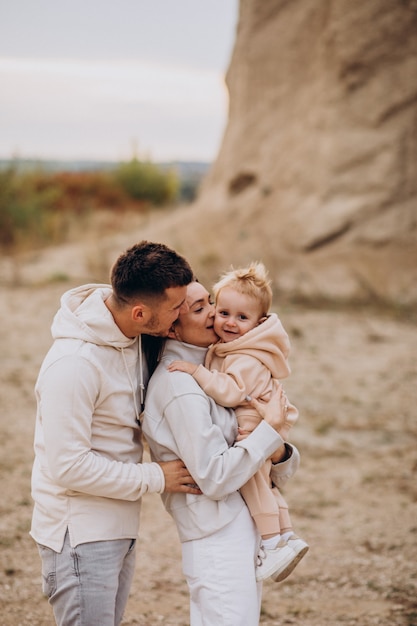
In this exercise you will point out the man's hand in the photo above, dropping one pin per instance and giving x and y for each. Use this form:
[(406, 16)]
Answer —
[(178, 478)]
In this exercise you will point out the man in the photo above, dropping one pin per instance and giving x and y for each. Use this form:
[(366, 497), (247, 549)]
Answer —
[(88, 476)]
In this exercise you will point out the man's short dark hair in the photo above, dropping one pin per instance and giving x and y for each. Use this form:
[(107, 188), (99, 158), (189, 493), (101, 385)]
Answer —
[(146, 270)]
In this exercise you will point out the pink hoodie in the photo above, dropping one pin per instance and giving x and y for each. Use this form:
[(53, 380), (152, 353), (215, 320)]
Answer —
[(250, 365)]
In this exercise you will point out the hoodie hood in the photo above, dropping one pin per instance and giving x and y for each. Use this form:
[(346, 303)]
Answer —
[(84, 315), (268, 342)]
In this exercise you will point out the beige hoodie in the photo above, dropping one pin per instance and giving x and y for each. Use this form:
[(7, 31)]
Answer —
[(87, 474)]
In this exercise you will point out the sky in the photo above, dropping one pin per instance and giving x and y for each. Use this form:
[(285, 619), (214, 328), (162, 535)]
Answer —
[(108, 80)]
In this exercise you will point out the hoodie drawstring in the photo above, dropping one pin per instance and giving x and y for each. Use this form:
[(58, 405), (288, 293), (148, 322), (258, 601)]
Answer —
[(141, 385)]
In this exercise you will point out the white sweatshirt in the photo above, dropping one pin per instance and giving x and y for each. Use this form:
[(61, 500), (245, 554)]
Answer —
[(181, 421), (87, 474)]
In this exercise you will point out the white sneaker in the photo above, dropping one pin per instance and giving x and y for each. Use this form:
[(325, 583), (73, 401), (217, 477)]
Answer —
[(280, 562), (274, 562), (300, 548)]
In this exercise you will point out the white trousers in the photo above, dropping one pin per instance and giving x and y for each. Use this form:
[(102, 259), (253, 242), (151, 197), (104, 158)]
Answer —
[(220, 573)]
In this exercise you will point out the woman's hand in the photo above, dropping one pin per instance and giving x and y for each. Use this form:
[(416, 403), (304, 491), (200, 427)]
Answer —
[(278, 412), (275, 411)]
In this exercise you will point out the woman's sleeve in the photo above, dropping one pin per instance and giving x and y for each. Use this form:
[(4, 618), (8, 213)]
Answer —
[(281, 472), (217, 468)]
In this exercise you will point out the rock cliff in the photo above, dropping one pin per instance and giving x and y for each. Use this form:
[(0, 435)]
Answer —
[(317, 171)]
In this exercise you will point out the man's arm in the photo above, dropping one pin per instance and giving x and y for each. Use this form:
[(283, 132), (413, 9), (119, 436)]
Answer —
[(217, 468), (68, 392)]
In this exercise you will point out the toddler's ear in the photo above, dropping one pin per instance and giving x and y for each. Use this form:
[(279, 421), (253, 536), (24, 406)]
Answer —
[(262, 319)]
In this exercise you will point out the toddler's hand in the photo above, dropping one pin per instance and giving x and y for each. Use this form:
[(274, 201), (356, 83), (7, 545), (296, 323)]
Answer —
[(182, 366), (242, 434)]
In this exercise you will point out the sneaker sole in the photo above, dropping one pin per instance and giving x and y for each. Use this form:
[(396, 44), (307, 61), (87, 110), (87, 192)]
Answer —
[(273, 570), (287, 571)]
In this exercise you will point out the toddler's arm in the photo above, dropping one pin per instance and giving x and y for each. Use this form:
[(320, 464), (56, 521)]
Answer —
[(226, 388), (182, 366)]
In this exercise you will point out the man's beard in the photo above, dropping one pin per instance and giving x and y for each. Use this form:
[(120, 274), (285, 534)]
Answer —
[(152, 327)]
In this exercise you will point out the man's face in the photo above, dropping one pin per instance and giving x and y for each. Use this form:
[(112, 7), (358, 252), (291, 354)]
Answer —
[(166, 312)]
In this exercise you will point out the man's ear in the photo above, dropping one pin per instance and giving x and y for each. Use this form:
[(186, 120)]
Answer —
[(139, 313), (172, 333)]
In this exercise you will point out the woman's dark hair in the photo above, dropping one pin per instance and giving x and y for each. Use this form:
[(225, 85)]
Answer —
[(153, 348)]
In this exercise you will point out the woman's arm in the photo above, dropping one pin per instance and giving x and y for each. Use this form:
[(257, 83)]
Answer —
[(217, 468)]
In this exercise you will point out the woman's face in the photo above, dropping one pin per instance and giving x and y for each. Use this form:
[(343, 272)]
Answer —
[(196, 325)]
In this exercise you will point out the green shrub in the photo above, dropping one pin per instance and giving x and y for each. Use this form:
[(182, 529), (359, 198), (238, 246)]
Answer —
[(39, 207), (24, 210), (145, 181)]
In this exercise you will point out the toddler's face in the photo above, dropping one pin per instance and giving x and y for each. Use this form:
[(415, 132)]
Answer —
[(236, 314)]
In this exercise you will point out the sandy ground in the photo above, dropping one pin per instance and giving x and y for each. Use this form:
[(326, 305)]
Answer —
[(354, 498)]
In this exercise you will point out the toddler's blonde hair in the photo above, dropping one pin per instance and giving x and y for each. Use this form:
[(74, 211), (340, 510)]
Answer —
[(251, 281)]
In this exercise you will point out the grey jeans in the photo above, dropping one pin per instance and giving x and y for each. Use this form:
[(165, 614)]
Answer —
[(89, 585)]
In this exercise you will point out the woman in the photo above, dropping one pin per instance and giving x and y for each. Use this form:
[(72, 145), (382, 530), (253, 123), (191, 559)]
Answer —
[(219, 540)]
